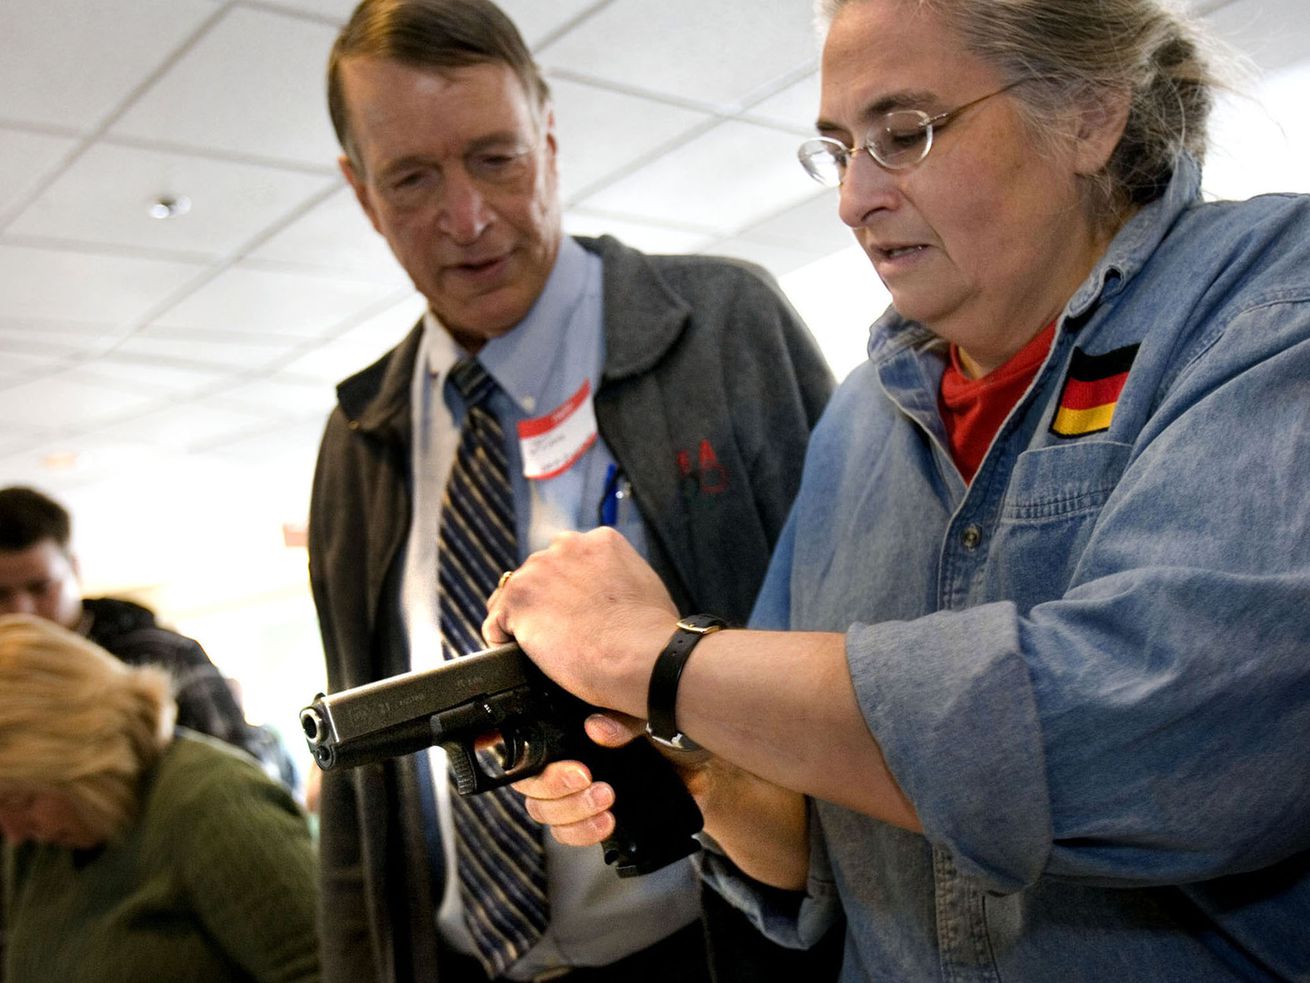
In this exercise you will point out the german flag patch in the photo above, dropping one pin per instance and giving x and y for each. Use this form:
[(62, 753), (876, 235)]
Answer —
[(1091, 391)]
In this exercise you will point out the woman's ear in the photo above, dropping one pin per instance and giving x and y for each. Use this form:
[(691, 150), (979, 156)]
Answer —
[(1100, 127)]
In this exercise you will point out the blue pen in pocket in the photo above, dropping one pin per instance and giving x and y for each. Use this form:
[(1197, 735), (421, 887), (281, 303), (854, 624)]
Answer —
[(607, 512)]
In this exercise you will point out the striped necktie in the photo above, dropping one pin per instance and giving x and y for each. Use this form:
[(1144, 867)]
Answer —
[(501, 859)]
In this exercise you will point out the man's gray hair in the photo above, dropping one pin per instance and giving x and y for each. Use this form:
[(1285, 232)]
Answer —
[(438, 35)]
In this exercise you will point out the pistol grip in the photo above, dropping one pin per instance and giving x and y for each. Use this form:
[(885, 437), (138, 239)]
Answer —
[(656, 818)]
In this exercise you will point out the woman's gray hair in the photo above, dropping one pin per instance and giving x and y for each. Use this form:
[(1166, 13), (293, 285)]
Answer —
[(1076, 52)]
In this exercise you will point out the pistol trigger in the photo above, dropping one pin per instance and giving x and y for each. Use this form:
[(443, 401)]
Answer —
[(529, 752)]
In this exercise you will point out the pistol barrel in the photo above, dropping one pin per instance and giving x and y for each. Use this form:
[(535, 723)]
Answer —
[(392, 716)]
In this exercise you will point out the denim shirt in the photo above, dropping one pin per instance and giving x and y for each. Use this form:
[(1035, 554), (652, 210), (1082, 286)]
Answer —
[(1089, 669)]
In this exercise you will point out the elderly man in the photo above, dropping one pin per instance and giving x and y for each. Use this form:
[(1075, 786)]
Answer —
[(553, 384)]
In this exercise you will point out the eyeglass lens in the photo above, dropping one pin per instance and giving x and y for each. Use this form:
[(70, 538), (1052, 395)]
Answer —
[(899, 139)]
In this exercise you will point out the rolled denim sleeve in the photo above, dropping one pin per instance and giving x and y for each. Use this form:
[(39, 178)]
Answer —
[(950, 702), (795, 919)]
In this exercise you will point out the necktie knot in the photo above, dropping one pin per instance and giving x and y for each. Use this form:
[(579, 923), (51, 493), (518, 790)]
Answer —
[(471, 379)]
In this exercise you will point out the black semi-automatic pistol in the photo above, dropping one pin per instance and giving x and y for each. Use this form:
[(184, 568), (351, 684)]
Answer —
[(499, 719)]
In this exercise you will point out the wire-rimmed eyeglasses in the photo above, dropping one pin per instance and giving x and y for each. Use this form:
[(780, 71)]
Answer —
[(899, 139)]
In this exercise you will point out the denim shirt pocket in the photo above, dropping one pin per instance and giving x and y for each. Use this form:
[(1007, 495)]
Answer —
[(1047, 514)]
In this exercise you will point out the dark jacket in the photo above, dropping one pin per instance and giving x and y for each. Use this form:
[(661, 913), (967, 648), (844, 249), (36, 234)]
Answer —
[(205, 702), (710, 388)]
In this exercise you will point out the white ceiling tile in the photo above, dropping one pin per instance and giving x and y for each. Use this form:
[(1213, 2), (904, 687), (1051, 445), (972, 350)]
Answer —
[(105, 195), (155, 376), (11, 447), (795, 107), (57, 339), (20, 464), (74, 286), (334, 235), (1273, 33), (69, 400), (227, 351), (289, 451), (335, 359), (19, 367), (634, 128), (778, 260), (26, 158), (279, 398), (1260, 141), (839, 297), (257, 301), (536, 20), (721, 52), (184, 426), (813, 225), (336, 10), (253, 85), (80, 60), (78, 470), (648, 237), (724, 180)]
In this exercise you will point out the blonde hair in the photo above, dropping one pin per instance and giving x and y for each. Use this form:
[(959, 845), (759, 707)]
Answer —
[(76, 720)]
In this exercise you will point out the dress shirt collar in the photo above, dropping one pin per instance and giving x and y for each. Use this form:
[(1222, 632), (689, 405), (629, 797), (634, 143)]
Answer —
[(517, 359)]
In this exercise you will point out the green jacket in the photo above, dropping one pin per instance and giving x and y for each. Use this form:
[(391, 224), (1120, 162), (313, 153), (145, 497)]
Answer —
[(214, 881)]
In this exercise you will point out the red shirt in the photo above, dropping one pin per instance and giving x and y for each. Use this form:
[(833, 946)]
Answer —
[(974, 409)]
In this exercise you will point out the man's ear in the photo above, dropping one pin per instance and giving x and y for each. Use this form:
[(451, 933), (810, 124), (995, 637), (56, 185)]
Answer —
[(360, 187), (551, 146), (1100, 127)]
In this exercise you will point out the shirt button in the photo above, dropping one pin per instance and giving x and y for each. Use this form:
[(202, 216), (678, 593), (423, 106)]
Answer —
[(971, 538)]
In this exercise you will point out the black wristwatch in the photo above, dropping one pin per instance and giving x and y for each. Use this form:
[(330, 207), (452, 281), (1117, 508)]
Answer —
[(662, 697)]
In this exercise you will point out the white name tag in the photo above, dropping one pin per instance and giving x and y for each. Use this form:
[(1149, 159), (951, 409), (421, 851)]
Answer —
[(551, 444)]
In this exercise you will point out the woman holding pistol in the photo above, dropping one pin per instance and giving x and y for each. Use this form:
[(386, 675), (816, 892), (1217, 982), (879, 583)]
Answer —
[(1027, 690)]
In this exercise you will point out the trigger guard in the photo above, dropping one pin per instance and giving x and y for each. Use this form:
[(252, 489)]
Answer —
[(532, 757)]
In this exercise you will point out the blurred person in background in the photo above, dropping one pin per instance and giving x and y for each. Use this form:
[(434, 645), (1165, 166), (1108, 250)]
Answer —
[(39, 575), (670, 397), (1035, 701), (134, 851)]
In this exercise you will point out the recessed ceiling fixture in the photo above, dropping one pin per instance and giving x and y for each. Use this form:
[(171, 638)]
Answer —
[(170, 206)]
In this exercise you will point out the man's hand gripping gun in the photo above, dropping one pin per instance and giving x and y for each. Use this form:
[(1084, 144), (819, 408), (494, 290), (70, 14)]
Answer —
[(500, 719)]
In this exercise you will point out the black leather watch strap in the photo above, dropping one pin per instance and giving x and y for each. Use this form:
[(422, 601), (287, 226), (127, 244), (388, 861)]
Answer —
[(662, 697)]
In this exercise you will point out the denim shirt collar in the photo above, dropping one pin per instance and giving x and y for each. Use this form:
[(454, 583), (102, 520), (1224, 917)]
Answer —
[(1135, 243)]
